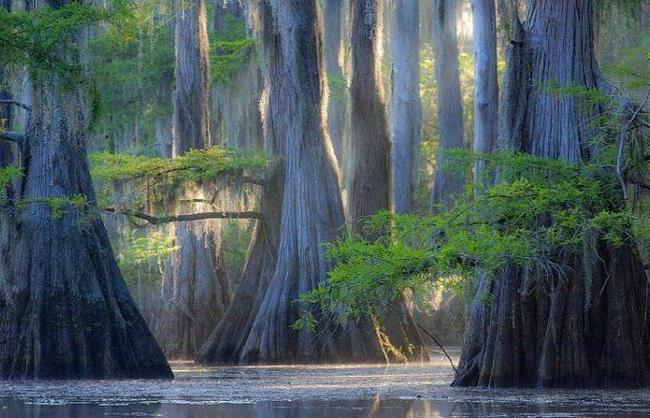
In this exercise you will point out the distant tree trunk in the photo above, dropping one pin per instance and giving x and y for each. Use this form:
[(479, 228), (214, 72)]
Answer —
[(486, 89), (225, 9), (450, 103), (406, 107), (236, 121), (370, 166), (370, 172), (6, 159), (588, 327), (67, 312), (195, 283), (336, 110), (191, 128)]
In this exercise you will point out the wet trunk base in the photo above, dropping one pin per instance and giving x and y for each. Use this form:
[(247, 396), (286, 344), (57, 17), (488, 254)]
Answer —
[(586, 328)]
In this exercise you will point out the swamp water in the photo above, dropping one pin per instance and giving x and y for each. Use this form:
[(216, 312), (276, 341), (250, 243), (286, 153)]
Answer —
[(373, 391)]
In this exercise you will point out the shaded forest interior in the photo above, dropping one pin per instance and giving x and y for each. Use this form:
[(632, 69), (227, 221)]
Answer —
[(326, 181)]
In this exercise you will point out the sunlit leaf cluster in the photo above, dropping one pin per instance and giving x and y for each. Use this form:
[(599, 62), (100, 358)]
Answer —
[(539, 211)]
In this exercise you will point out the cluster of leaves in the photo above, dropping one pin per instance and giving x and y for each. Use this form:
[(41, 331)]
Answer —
[(155, 178), (230, 49), (141, 252), (539, 209), (132, 69), (195, 165), (39, 38)]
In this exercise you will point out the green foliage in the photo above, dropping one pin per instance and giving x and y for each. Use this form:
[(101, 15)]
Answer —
[(58, 205), (132, 67), (43, 38), (230, 49), (338, 85), (539, 213), (141, 252), (7, 175), (195, 165), (154, 180)]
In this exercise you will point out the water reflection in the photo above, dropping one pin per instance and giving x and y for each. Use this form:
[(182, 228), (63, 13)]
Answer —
[(373, 391), (390, 408)]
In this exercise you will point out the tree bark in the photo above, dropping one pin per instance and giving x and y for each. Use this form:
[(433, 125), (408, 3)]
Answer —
[(235, 103), (486, 88), (302, 209), (370, 179), (588, 327), (195, 283), (338, 97), (406, 107), (67, 311), (446, 183), (370, 166)]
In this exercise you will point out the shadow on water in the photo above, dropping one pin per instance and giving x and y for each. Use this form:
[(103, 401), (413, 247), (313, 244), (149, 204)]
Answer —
[(409, 391)]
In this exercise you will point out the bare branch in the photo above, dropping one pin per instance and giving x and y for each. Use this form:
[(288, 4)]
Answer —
[(15, 103), (158, 220), (14, 137)]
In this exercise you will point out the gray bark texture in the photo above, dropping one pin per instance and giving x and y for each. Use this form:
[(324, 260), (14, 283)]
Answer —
[(191, 122), (406, 107), (370, 179), (235, 103), (195, 283), (486, 88), (302, 209), (450, 104), (338, 94), (67, 311), (312, 212), (586, 327)]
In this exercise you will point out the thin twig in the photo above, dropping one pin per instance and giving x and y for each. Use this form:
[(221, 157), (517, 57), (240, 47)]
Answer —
[(453, 366)]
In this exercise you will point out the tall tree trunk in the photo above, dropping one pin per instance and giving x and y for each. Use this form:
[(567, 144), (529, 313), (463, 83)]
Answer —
[(302, 209), (486, 89), (370, 167), (369, 190), (235, 103), (6, 159), (225, 9), (587, 327), (406, 107), (338, 96), (450, 104), (67, 312), (195, 283)]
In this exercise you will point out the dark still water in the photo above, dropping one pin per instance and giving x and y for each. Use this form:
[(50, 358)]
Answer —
[(412, 391)]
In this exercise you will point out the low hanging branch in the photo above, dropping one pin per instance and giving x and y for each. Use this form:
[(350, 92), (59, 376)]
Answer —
[(14, 137), (15, 103), (158, 220)]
